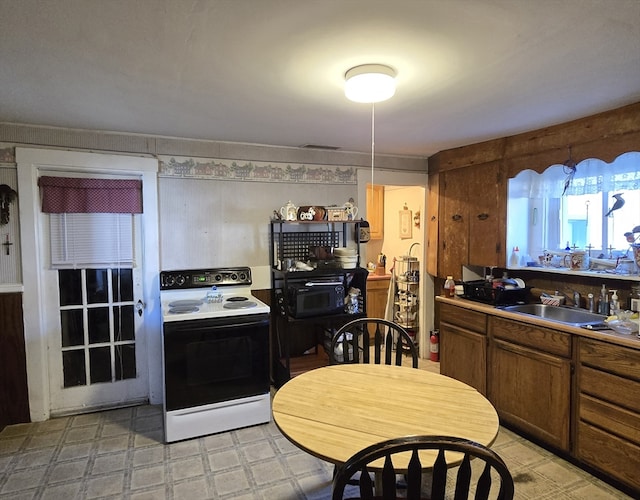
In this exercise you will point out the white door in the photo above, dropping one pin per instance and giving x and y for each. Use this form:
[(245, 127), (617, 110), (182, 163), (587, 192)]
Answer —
[(92, 331), (94, 328)]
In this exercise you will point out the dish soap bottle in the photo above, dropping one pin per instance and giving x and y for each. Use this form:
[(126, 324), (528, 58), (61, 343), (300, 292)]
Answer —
[(514, 260), (615, 303), (449, 287)]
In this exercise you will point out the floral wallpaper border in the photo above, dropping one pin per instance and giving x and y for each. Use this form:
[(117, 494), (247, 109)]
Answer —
[(240, 170)]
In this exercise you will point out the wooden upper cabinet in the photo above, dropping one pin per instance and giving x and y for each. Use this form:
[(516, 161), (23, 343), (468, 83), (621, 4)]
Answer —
[(473, 212), (487, 216), (375, 211), (454, 223)]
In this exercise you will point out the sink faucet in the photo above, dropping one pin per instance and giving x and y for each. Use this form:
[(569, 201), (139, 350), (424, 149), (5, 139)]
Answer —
[(576, 299), (591, 303)]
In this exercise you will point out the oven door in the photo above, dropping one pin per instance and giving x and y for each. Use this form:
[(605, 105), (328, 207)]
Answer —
[(214, 360)]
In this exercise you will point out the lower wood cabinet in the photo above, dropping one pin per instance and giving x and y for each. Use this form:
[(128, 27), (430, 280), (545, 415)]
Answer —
[(608, 409), (377, 294), (463, 346), (575, 394), (530, 379)]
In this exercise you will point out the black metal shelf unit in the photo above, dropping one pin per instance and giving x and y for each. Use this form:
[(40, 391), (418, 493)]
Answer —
[(291, 240)]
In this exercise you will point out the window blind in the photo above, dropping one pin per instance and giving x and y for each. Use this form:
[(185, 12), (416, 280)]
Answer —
[(90, 240)]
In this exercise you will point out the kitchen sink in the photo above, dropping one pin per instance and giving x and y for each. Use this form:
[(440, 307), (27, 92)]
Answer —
[(567, 315)]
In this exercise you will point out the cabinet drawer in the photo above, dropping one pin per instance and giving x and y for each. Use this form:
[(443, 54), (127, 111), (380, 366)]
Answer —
[(551, 341), (618, 458), (618, 421), (378, 284), (612, 358), (465, 318), (603, 385)]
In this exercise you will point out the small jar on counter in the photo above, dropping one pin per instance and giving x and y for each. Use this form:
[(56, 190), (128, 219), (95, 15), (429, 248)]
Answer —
[(449, 287)]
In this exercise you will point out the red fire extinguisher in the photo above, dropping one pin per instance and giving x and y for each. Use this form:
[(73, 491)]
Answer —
[(434, 346)]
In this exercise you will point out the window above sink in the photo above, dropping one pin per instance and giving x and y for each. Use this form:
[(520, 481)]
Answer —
[(570, 210)]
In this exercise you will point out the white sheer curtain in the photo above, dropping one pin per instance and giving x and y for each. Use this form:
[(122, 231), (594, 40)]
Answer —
[(591, 176)]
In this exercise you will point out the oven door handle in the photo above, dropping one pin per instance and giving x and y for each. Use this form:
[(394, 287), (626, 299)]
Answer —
[(228, 323)]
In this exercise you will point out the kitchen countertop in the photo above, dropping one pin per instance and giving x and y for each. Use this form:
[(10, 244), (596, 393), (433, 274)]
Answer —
[(610, 336), (374, 277)]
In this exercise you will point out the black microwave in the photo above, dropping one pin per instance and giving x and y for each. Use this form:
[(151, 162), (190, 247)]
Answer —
[(316, 297)]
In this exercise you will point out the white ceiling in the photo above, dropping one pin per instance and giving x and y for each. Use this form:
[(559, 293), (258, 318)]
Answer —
[(272, 71)]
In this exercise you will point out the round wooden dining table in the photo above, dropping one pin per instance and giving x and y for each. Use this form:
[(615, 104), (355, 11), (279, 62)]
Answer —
[(335, 411)]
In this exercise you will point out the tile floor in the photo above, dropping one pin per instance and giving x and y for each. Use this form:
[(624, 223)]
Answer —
[(120, 454)]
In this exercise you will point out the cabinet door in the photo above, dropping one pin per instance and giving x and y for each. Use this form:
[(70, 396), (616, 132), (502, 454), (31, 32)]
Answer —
[(531, 390), (487, 216), (377, 292), (454, 223), (463, 355), (375, 211)]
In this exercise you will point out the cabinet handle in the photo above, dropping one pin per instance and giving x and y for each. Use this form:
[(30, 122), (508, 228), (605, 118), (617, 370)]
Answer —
[(483, 216), (433, 217), (457, 217)]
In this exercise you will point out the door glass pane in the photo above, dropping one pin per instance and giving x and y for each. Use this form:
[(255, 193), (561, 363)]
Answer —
[(125, 361), (123, 327), (97, 286), (70, 287), (98, 325), (122, 284), (100, 362), (73, 366), (102, 301), (72, 330)]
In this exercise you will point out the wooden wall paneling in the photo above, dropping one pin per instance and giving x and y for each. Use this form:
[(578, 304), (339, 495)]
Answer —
[(600, 127), (605, 136), (14, 395), (474, 154)]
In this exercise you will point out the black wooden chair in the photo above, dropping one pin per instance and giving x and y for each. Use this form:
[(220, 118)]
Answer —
[(488, 474), (351, 343)]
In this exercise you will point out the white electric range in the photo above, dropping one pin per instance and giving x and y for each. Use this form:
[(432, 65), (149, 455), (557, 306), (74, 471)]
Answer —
[(215, 352)]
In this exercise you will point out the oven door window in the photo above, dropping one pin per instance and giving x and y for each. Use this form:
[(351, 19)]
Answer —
[(211, 361)]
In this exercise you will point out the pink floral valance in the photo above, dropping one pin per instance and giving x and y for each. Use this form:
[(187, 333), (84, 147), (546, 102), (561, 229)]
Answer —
[(81, 195)]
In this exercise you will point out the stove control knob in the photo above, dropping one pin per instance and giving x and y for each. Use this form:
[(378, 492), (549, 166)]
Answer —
[(243, 276), (180, 280), (169, 280), (234, 277), (218, 278)]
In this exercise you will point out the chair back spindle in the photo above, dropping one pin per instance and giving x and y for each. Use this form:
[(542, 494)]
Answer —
[(351, 343), (485, 458)]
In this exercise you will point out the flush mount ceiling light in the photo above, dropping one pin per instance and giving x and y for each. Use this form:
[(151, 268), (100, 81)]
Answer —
[(370, 83)]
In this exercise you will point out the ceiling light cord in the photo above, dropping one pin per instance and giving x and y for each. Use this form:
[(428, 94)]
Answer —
[(373, 143)]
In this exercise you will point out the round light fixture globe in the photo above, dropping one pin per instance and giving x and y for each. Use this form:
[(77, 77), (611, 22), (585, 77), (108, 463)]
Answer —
[(370, 83)]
